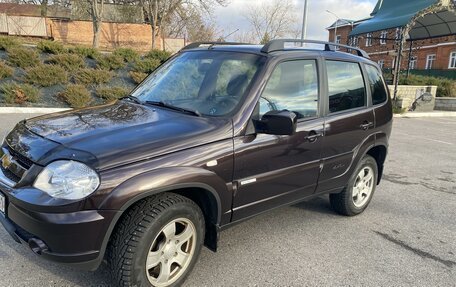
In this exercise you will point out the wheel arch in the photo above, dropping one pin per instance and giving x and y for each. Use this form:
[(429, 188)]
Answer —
[(378, 152), (203, 187)]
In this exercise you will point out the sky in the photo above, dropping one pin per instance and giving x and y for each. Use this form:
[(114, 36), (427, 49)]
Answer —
[(231, 17)]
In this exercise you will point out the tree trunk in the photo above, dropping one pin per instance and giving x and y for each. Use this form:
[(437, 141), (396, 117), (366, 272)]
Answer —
[(44, 6), (97, 20), (96, 33), (153, 35)]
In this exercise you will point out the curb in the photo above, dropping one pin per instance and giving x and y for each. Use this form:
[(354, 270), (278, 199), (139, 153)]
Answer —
[(436, 114), (20, 110)]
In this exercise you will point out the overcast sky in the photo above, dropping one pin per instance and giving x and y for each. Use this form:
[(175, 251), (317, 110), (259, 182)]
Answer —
[(230, 18)]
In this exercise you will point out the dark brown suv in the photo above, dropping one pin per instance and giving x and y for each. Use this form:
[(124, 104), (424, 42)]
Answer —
[(216, 135)]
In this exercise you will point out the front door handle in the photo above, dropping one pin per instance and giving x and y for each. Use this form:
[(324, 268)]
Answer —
[(366, 125), (313, 136)]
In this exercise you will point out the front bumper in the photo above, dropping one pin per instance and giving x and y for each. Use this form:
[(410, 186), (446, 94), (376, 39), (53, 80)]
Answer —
[(75, 238)]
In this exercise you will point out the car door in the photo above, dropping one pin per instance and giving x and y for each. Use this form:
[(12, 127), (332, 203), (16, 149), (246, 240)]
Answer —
[(349, 122), (271, 170)]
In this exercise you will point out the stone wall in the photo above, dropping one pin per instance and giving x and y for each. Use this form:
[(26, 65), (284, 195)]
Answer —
[(406, 95), (445, 104)]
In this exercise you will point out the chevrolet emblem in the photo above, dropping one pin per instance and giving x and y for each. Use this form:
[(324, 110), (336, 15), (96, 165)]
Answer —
[(6, 161)]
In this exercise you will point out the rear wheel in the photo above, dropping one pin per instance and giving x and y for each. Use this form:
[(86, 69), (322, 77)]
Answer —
[(355, 198), (157, 242)]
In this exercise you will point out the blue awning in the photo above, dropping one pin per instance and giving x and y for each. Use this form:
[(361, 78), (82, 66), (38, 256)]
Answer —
[(427, 18)]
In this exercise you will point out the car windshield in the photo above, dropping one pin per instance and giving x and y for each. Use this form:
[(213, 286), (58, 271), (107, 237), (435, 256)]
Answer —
[(204, 82)]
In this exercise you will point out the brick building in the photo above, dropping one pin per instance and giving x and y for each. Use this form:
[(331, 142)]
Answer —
[(419, 53)]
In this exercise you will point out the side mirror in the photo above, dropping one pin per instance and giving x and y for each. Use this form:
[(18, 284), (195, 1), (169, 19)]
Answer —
[(277, 123)]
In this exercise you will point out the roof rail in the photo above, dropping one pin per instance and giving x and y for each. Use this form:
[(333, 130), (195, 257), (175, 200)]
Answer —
[(210, 44), (279, 45)]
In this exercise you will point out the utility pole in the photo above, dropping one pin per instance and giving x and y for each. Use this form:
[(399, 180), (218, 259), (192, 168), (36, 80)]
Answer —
[(304, 21)]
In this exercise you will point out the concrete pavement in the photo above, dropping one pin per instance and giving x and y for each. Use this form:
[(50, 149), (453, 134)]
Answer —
[(405, 238)]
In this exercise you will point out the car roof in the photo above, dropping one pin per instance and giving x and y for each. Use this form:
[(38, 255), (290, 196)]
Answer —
[(257, 49)]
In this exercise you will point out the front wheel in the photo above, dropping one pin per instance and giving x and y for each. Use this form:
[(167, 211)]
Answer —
[(157, 242), (355, 198)]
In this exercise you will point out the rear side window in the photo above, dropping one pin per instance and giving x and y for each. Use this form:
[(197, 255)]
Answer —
[(377, 86), (345, 86)]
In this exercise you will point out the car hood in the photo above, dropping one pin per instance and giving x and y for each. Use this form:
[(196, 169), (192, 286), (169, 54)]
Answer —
[(125, 132)]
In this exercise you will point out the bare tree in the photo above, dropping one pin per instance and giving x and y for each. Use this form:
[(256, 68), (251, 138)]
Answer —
[(190, 23), (271, 20), (160, 12), (96, 13)]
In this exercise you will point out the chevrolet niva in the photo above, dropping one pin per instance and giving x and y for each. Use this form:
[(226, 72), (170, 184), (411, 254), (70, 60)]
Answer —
[(217, 134)]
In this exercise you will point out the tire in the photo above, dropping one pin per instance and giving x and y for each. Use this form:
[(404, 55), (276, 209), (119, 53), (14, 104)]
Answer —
[(353, 200), (148, 234)]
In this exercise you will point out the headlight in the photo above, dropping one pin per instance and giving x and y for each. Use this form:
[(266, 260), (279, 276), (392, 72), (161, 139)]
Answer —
[(67, 179)]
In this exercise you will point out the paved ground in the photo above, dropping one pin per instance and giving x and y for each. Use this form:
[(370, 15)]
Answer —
[(405, 238)]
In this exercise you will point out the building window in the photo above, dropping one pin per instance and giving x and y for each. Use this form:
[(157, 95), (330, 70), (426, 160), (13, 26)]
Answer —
[(369, 39), (398, 34), (452, 64), (355, 41), (383, 37), (381, 63), (338, 38), (430, 59), (413, 62)]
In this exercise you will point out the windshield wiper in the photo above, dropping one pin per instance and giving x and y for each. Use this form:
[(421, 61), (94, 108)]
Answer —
[(171, 107), (132, 98)]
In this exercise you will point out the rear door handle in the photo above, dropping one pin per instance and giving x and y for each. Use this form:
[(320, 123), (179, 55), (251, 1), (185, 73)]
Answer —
[(365, 125)]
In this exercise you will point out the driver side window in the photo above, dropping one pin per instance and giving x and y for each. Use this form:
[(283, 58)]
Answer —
[(292, 86)]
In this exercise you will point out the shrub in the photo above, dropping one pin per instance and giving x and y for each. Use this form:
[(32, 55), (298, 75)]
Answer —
[(158, 54), (445, 87), (110, 62), (46, 75), (86, 52), (146, 65), (92, 76), (111, 93), (77, 96), (51, 47), (127, 54), (23, 57), (14, 93), (5, 70), (137, 77), (7, 42), (69, 62)]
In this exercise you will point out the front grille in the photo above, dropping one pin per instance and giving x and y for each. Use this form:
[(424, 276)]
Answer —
[(9, 174), (22, 160), (18, 164)]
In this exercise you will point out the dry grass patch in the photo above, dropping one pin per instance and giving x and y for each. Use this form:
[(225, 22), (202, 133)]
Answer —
[(46, 75), (110, 62), (86, 52), (70, 62), (137, 77), (5, 70), (7, 42), (111, 93), (23, 57), (160, 55), (14, 93), (77, 96), (146, 65), (92, 76), (51, 47), (127, 54)]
